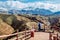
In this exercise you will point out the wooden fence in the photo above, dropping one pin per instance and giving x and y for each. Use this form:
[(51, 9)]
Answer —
[(55, 36), (19, 35)]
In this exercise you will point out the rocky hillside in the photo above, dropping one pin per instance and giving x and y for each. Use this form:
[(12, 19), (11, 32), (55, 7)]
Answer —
[(5, 28), (13, 22)]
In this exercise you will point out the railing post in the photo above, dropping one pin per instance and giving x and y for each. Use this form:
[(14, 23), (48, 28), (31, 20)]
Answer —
[(32, 33), (50, 36), (17, 35), (54, 38), (57, 36)]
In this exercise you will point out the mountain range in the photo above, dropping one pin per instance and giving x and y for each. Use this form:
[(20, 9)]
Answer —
[(37, 11), (16, 7)]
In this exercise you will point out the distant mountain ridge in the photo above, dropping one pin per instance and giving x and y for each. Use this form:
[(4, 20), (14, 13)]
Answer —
[(55, 14), (37, 11)]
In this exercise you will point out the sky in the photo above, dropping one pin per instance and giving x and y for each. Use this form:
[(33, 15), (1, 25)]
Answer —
[(52, 1), (53, 5)]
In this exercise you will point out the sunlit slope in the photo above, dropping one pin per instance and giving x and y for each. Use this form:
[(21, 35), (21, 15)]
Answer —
[(5, 28)]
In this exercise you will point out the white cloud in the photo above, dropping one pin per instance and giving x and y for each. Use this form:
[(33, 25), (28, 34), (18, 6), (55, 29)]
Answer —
[(50, 6), (20, 5), (3, 9)]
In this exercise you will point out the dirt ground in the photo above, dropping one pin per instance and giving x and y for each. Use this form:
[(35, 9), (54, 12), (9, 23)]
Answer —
[(40, 36)]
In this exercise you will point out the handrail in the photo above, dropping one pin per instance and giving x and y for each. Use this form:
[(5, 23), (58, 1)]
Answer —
[(53, 36), (24, 35), (57, 27)]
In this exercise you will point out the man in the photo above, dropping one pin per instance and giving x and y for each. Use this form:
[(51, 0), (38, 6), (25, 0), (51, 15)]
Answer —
[(39, 26)]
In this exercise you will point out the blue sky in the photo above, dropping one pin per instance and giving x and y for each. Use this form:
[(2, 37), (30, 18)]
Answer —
[(53, 5), (51, 1)]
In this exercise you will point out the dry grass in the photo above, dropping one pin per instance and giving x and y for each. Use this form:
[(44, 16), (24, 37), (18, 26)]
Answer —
[(5, 28)]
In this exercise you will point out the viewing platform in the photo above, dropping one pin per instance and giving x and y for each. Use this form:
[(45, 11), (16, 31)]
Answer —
[(40, 36)]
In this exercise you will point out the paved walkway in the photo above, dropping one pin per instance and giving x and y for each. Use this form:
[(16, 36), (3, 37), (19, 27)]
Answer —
[(40, 36)]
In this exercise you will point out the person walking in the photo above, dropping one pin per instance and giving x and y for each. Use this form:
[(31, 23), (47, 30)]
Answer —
[(39, 26)]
